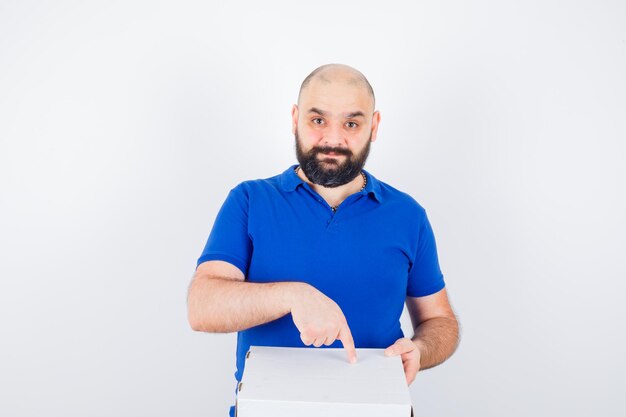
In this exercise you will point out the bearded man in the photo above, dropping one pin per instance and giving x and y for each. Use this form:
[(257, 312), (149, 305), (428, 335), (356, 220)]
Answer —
[(325, 254)]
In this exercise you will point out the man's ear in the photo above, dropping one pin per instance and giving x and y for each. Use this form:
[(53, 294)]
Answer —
[(294, 119), (375, 122)]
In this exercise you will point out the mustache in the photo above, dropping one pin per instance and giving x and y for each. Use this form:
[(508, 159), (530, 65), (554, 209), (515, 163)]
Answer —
[(329, 149)]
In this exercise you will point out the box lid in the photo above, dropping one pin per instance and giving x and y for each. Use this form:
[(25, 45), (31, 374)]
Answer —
[(323, 375)]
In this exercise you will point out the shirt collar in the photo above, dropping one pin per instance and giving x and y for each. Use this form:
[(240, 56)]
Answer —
[(289, 181)]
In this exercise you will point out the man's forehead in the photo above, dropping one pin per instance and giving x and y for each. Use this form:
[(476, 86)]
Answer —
[(336, 84), (336, 96)]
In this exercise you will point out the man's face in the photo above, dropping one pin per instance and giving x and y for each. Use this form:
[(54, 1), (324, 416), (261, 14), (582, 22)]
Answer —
[(322, 164), (333, 126)]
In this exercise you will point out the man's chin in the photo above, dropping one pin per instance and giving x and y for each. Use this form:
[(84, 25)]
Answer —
[(330, 168), (329, 164)]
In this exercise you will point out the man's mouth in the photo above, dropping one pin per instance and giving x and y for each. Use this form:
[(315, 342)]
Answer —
[(332, 154)]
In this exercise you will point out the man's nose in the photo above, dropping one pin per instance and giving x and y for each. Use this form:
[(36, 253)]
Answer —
[(334, 136)]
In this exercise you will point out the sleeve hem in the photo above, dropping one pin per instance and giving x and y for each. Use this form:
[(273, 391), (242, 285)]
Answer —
[(436, 287), (217, 256)]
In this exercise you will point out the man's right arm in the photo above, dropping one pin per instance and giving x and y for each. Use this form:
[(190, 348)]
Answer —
[(220, 300)]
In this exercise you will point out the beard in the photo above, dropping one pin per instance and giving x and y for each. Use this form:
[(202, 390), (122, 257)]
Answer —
[(331, 172)]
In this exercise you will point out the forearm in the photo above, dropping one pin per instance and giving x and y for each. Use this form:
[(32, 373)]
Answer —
[(223, 305), (437, 339)]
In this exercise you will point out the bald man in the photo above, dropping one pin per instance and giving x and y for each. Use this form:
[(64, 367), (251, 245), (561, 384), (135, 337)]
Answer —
[(325, 254)]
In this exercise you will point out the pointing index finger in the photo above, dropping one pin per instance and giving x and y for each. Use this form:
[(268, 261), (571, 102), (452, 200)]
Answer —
[(348, 343)]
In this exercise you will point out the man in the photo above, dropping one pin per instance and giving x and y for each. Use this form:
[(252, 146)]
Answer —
[(325, 254)]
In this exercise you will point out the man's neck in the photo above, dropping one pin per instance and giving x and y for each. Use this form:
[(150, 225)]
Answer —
[(334, 196)]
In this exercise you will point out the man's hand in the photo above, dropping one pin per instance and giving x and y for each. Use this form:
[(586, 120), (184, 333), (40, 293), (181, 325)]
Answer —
[(320, 320), (410, 354)]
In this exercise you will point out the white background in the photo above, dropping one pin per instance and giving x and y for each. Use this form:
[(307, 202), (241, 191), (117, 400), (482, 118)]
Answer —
[(123, 125)]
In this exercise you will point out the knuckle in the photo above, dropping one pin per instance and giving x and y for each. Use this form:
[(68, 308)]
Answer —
[(306, 339), (312, 331)]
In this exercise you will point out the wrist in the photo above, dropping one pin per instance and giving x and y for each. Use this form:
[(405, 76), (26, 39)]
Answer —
[(421, 346), (292, 293)]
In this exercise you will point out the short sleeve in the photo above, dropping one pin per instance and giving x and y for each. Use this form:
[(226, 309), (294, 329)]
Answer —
[(229, 240), (425, 275)]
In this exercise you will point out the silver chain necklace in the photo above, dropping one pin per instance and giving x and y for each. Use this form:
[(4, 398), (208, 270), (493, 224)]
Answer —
[(334, 208)]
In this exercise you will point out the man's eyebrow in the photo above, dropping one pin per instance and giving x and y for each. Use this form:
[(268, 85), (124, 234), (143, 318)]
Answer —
[(348, 115), (318, 111)]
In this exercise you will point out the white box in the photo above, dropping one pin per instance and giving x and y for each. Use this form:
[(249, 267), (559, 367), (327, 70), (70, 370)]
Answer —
[(320, 382)]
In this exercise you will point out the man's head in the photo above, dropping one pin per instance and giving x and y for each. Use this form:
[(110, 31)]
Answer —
[(334, 124)]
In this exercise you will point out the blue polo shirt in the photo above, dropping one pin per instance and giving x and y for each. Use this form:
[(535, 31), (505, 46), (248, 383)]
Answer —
[(368, 256)]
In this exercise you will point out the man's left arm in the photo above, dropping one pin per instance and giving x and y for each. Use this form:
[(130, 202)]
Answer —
[(436, 334)]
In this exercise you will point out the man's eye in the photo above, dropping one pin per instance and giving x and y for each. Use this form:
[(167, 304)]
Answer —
[(351, 124), (318, 121)]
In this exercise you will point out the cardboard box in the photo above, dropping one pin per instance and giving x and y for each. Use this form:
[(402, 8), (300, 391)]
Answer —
[(320, 382)]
